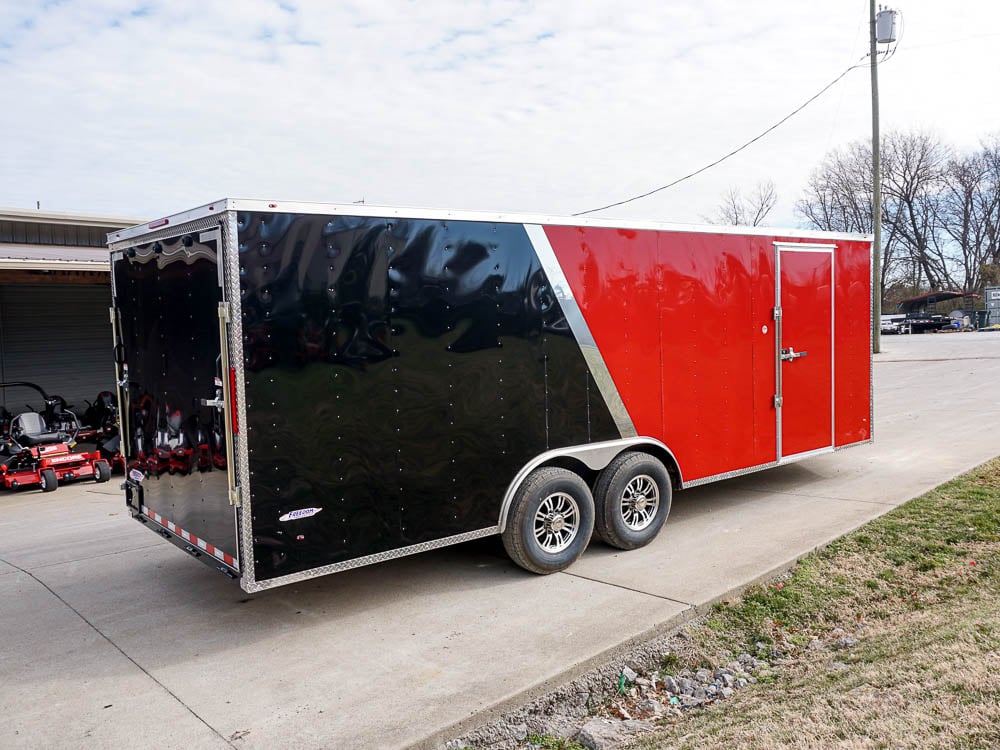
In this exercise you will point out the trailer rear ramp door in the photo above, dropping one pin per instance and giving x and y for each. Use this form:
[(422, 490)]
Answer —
[(173, 385)]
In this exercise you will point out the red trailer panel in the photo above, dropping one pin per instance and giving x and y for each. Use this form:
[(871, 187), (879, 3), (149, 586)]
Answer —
[(852, 343), (729, 366)]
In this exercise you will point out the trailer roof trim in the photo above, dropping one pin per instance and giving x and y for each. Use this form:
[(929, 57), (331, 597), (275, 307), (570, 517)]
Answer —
[(53, 258), (440, 214)]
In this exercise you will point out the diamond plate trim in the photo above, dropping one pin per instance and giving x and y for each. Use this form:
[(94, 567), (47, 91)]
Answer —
[(772, 464), (231, 290), (731, 474), (229, 262), (358, 562), (869, 441)]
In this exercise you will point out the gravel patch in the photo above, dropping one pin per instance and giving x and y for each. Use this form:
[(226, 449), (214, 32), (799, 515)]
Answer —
[(611, 705)]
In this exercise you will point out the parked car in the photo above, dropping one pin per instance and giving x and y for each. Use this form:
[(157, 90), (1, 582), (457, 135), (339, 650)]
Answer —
[(894, 324)]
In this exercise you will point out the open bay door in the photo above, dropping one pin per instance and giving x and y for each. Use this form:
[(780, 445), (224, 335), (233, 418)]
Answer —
[(174, 381), (805, 348)]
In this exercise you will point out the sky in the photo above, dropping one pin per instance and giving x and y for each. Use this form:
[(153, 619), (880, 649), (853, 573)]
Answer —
[(143, 109)]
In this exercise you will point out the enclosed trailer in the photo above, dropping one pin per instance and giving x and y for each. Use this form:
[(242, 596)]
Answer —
[(308, 388)]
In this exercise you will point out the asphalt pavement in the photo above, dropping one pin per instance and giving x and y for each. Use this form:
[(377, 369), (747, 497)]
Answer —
[(112, 637)]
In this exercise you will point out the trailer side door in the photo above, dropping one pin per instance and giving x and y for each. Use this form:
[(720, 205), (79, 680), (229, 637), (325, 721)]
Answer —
[(804, 356)]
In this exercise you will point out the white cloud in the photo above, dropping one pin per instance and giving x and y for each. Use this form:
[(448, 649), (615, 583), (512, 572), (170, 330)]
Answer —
[(148, 108)]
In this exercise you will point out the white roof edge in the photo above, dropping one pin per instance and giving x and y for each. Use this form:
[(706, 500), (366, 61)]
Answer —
[(34, 216), (401, 212), (36, 264)]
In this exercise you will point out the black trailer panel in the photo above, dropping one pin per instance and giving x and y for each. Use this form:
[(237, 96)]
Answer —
[(398, 375)]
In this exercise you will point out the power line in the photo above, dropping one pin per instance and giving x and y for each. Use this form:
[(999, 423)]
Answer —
[(735, 151)]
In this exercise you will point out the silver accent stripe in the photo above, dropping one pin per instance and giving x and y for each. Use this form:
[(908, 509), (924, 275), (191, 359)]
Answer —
[(594, 455), (581, 331), (378, 557)]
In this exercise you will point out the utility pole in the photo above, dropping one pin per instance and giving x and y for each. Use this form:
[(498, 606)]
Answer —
[(883, 31), (876, 199)]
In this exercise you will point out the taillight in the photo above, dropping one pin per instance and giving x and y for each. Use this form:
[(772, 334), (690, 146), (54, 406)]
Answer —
[(234, 421)]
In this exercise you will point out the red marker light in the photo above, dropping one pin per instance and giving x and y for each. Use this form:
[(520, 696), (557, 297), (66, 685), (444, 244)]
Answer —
[(158, 223), (234, 420)]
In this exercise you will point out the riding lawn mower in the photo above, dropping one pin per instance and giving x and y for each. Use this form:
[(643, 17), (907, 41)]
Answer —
[(37, 448)]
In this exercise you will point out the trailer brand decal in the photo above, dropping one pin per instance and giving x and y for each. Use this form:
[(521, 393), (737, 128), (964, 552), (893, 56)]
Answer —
[(295, 515), (189, 537), (136, 475)]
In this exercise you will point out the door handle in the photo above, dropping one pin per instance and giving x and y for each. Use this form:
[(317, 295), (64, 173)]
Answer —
[(787, 355), (214, 402)]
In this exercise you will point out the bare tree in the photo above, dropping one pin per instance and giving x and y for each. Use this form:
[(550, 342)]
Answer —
[(751, 210), (912, 180), (969, 211), (839, 194), (918, 252), (839, 199)]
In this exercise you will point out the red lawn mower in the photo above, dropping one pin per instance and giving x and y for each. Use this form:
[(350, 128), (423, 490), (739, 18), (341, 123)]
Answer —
[(37, 449)]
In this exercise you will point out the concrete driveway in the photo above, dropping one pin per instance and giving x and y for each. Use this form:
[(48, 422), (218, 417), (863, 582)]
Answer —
[(111, 637)]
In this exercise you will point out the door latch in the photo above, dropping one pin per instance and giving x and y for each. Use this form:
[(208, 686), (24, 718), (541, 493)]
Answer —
[(217, 402), (787, 355)]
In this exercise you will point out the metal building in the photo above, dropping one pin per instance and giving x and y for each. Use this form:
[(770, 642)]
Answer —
[(54, 299)]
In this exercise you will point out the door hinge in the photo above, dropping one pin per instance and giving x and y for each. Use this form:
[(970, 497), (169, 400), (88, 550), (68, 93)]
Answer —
[(776, 313), (777, 401), (224, 311), (235, 498)]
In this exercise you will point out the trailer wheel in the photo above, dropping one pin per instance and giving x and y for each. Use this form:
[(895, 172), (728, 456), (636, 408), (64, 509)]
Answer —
[(633, 497), (49, 480), (102, 471), (551, 520)]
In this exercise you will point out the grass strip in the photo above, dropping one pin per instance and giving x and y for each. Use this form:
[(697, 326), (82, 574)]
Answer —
[(889, 637)]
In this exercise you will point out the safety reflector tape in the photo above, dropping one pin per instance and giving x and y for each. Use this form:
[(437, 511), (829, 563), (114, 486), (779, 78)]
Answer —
[(189, 537)]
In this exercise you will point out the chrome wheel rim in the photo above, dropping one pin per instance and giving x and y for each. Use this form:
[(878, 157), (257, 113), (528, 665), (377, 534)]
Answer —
[(640, 501), (557, 522)]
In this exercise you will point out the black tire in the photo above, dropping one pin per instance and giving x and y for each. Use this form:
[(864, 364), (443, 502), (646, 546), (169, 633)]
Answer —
[(549, 496), (626, 517), (49, 480), (102, 471)]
